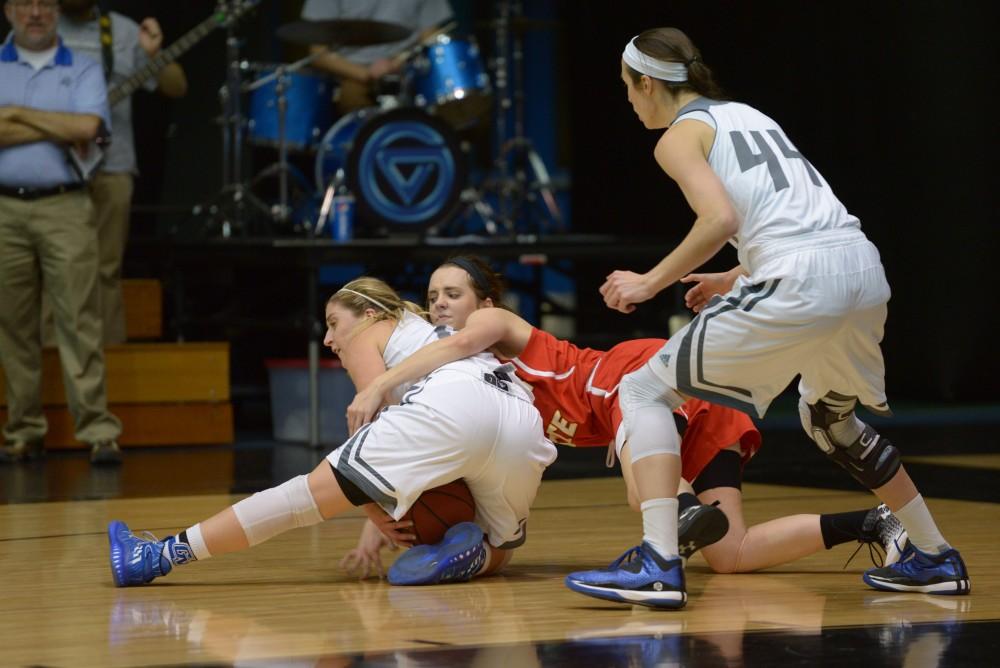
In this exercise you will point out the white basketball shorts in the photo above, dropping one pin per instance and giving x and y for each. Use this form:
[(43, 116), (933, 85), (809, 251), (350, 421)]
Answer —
[(821, 315), (455, 424)]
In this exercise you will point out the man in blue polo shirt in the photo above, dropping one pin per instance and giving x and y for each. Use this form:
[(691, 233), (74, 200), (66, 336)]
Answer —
[(50, 100)]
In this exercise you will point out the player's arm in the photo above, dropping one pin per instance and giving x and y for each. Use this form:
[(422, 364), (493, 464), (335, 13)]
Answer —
[(483, 328), (681, 153), (707, 286), (363, 356), (60, 126)]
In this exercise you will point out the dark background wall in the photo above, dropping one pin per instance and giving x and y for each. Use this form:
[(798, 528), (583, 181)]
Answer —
[(890, 101)]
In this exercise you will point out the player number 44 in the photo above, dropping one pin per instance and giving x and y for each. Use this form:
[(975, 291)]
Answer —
[(765, 154)]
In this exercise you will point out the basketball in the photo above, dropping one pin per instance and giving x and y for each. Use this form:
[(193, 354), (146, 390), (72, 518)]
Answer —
[(440, 508)]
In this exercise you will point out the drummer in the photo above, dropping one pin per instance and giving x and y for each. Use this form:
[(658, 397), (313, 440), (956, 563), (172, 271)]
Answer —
[(359, 69)]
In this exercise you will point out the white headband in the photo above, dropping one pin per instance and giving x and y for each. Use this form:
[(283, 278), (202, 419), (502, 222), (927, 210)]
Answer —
[(365, 297), (658, 69)]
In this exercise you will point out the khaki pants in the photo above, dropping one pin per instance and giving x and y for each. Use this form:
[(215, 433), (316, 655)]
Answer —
[(111, 196), (50, 245)]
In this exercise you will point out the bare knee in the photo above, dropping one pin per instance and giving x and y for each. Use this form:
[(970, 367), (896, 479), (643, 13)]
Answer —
[(724, 556)]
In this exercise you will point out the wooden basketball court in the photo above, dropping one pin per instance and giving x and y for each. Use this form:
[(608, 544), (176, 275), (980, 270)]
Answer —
[(287, 603)]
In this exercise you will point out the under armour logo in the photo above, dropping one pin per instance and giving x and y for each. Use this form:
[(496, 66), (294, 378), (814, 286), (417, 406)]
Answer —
[(665, 359), (688, 548)]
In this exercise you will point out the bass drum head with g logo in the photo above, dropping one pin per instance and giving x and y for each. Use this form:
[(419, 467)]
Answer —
[(406, 170)]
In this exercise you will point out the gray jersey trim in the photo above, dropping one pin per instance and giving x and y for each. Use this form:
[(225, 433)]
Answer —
[(756, 294), (517, 542), (704, 104), (358, 477)]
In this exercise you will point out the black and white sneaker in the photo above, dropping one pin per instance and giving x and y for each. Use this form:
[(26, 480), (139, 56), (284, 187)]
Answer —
[(882, 528), (700, 526)]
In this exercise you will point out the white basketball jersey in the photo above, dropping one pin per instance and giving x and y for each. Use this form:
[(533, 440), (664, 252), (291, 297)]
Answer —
[(413, 333), (410, 335), (782, 200)]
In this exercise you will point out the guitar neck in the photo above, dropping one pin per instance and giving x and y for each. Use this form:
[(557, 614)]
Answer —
[(164, 58)]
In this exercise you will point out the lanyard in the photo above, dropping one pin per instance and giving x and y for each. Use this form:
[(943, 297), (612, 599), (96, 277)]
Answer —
[(107, 46)]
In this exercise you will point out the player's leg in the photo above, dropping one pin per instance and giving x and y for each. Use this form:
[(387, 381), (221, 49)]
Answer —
[(651, 573), (784, 539), (299, 502), (853, 360)]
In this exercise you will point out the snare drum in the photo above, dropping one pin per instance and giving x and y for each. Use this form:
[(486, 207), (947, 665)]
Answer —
[(308, 110), (449, 79)]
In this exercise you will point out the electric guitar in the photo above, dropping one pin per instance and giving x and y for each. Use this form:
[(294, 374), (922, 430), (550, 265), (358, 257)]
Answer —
[(85, 162)]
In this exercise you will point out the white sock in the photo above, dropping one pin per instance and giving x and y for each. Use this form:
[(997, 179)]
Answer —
[(197, 543), (659, 526), (920, 527), (185, 547)]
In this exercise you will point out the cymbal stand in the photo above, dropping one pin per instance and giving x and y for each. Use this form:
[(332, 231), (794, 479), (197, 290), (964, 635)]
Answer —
[(281, 212), (515, 190), (229, 204)]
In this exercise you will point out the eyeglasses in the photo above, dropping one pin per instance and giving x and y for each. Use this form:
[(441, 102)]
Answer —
[(41, 5)]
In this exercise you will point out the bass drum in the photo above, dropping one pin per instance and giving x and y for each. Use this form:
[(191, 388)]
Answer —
[(405, 168)]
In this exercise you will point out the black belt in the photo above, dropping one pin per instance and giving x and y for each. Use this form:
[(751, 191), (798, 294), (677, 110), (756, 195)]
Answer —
[(38, 193)]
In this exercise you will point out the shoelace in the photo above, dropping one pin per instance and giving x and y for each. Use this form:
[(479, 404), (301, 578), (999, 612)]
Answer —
[(876, 552), (146, 535), (628, 556)]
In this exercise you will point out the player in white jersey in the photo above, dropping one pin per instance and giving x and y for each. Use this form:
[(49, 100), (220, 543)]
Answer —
[(464, 420), (808, 297)]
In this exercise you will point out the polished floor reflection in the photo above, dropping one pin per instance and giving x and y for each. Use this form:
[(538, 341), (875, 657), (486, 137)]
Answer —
[(287, 603)]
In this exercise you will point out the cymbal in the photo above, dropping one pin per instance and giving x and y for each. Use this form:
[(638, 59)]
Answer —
[(519, 24), (343, 32)]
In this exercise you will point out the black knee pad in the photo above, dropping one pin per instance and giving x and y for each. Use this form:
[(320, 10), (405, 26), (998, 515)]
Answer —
[(871, 459), (725, 470)]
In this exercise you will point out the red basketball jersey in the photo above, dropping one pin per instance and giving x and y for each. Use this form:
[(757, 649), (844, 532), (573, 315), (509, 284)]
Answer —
[(575, 388), (576, 392)]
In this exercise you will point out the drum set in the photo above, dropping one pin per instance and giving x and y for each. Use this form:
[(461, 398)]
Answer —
[(399, 165)]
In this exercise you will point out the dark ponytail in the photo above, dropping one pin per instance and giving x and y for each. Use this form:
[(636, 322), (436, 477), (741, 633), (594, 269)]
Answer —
[(672, 45)]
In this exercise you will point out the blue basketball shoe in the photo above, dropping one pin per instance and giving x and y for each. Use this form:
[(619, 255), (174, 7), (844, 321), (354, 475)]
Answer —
[(917, 571), (640, 576), (134, 560), (459, 556)]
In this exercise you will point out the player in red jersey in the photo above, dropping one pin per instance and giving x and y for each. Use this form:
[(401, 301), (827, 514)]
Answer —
[(576, 391)]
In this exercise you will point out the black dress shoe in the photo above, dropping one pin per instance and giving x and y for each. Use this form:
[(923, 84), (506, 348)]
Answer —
[(19, 451)]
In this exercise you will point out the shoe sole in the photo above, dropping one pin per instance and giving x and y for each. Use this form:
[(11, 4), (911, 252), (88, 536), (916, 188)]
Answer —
[(949, 588), (651, 599), (117, 552), (450, 560), (106, 458), (706, 528)]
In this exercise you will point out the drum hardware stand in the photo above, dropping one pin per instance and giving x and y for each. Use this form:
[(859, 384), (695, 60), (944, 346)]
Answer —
[(513, 190), (233, 197), (281, 211)]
